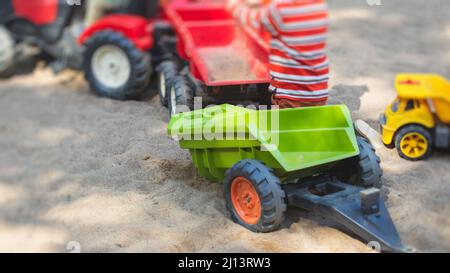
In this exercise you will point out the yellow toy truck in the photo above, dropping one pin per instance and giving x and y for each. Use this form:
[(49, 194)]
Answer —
[(419, 119)]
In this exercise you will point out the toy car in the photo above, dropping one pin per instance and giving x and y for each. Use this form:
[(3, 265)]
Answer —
[(419, 118), (304, 157)]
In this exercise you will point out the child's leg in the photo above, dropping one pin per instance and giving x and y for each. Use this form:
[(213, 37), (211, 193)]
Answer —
[(286, 103)]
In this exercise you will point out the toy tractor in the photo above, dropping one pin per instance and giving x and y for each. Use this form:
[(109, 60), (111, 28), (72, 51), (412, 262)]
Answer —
[(419, 119), (304, 157), (114, 52)]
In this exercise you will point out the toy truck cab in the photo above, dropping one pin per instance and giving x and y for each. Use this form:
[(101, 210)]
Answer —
[(419, 118)]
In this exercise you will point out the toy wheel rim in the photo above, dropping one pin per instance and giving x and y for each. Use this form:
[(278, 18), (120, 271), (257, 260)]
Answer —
[(111, 66), (246, 201), (414, 145), (162, 85), (173, 101)]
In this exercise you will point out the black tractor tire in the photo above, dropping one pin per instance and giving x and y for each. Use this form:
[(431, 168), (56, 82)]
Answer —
[(140, 68), (181, 96), (166, 74), (363, 170), (416, 129), (272, 198), (7, 53), (369, 168)]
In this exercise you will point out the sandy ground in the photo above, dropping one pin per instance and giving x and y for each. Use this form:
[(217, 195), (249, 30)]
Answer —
[(80, 170)]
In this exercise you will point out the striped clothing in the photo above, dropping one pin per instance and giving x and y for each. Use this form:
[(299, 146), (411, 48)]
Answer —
[(298, 61)]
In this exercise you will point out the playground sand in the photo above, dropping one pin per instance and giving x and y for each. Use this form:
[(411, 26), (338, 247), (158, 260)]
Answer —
[(226, 65), (77, 170)]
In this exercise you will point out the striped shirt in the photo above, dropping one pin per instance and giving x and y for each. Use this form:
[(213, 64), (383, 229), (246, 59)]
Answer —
[(299, 66)]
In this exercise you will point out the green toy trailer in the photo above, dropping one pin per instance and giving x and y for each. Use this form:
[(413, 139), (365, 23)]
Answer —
[(304, 157)]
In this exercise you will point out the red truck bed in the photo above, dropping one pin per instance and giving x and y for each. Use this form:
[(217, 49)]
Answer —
[(220, 52)]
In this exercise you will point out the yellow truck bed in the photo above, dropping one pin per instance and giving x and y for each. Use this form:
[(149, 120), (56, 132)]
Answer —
[(426, 86)]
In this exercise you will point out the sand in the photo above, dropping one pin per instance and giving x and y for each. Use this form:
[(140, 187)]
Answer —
[(77, 170), (226, 65)]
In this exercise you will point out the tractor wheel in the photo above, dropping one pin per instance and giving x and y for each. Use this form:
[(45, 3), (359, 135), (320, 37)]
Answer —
[(369, 169), (114, 67), (166, 74), (254, 196), (363, 170), (6, 53), (181, 96), (414, 143)]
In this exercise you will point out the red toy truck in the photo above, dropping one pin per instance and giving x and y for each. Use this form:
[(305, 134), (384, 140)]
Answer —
[(214, 58)]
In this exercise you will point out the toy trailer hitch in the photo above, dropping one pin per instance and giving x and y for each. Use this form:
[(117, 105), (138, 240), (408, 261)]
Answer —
[(360, 210)]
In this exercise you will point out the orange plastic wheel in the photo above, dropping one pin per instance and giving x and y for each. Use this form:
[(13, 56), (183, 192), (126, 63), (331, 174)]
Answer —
[(245, 185), (246, 200)]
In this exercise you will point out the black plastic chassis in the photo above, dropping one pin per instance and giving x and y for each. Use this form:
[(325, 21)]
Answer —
[(360, 210)]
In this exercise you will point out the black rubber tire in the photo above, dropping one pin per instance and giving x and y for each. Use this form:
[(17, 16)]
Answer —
[(181, 96), (363, 170), (139, 61), (166, 69), (267, 185), (6, 53), (414, 129), (369, 169)]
